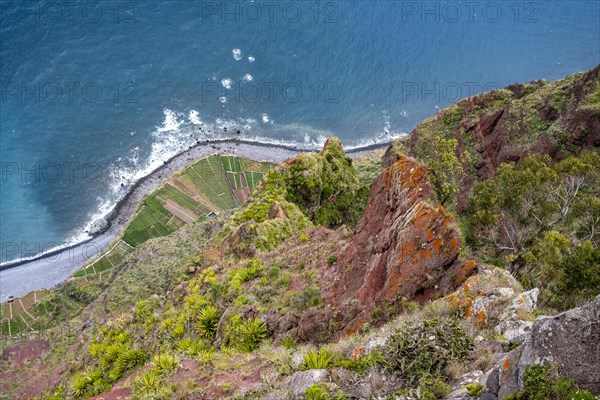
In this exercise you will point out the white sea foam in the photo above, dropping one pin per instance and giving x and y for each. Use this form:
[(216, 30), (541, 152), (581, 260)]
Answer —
[(177, 133), (226, 82), (223, 99), (251, 59), (171, 121), (237, 54), (194, 117), (248, 77)]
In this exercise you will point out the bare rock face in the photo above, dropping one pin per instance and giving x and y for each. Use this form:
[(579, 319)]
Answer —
[(571, 341), (402, 246), (568, 340), (277, 211)]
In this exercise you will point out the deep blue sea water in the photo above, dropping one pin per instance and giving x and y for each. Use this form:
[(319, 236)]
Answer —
[(95, 94)]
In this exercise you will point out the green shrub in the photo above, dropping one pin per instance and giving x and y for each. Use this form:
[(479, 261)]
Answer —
[(432, 388), (79, 385), (363, 363), (289, 342), (331, 260), (317, 360), (424, 349), (148, 384), (543, 219), (536, 383), (208, 321), (126, 360), (310, 297), (274, 272), (206, 355), (474, 389), (246, 274), (580, 394), (317, 392), (250, 333), (544, 382), (192, 347), (165, 362)]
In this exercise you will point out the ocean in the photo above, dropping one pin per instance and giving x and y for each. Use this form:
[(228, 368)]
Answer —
[(96, 94)]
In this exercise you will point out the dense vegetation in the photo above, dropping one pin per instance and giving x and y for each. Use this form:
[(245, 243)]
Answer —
[(543, 218)]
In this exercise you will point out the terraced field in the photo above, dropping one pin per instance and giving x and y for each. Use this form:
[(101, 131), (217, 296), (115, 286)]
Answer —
[(211, 185)]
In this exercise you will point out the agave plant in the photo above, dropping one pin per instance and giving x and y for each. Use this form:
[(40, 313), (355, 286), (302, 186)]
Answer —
[(206, 356), (251, 332), (148, 383), (79, 385), (208, 321), (317, 360), (165, 362), (289, 342)]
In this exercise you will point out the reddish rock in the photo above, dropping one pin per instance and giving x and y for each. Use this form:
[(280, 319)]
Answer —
[(504, 134), (402, 246), (29, 351)]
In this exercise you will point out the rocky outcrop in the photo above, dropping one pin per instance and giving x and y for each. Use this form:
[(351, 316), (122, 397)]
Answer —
[(559, 119), (569, 341), (317, 180), (402, 246)]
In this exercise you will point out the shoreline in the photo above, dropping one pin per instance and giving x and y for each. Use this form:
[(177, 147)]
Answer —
[(49, 270)]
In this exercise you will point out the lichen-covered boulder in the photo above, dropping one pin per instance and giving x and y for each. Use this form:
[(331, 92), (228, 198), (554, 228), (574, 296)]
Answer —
[(568, 340), (476, 376), (525, 303), (485, 296), (514, 331), (403, 245), (460, 394)]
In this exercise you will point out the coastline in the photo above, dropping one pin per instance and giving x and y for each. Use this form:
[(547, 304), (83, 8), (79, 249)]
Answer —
[(53, 268)]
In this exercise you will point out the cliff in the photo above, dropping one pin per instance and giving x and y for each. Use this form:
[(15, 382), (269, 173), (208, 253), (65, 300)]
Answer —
[(425, 274)]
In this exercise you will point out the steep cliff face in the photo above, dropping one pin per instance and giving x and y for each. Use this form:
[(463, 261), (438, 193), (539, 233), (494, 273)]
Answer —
[(402, 246), (560, 119)]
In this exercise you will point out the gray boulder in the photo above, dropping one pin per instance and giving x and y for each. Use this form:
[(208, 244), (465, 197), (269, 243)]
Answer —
[(514, 331), (570, 340), (302, 380), (526, 302), (460, 394), (470, 377)]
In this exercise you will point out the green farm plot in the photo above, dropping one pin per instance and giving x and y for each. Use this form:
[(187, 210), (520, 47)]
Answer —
[(253, 178), (235, 180), (170, 192), (22, 313), (250, 165), (212, 182), (207, 185), (212, 178), (112, 258), (145, 225), (231, 163)]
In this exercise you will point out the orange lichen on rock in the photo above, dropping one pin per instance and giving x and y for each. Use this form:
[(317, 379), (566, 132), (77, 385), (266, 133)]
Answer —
[(357, 353), (402, 247)]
